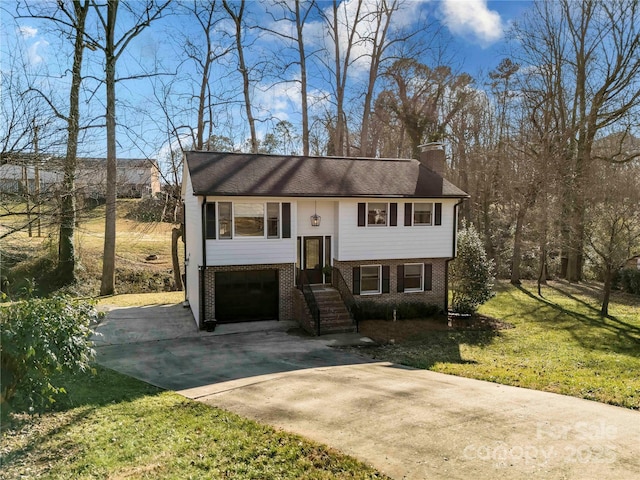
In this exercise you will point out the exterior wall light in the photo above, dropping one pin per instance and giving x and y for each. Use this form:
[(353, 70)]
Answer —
[(315, 218)]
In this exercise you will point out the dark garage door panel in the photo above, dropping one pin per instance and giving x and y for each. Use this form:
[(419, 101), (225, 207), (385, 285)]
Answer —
[(246, 296)]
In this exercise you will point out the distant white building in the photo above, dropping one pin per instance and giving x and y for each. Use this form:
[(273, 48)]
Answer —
[(136, 178)]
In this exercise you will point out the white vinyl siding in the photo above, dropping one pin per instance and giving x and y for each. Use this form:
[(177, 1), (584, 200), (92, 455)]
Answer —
[(324, 208), (252, 249), (393, 242), (193, 243)]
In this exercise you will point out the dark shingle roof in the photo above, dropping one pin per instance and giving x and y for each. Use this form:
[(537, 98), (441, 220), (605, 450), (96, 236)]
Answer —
[(214, 173)]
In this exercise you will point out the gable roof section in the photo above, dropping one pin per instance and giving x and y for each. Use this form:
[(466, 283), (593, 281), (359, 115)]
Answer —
[(243, 174)]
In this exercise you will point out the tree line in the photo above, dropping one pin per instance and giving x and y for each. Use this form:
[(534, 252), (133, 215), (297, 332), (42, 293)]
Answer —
[(546, 144)]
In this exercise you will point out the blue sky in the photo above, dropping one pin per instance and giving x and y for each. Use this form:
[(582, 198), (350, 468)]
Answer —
[(473, 35)]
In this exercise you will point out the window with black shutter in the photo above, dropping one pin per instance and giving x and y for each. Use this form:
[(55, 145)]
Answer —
[(438, 214), (393, 214), (400, 278), (356, 280), (385, 278), (428, 269), (362, 214), (210, 221), (286, 220), (408, 213)]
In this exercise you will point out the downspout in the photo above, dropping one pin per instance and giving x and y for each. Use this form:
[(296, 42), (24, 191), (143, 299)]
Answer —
[(453, 257), (203, 267)]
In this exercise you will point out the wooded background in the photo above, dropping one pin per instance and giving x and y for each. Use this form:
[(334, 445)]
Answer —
[(547, 144)]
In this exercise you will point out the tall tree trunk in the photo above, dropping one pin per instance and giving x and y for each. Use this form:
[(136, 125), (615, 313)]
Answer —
[(242, 68), (66, 244), (338, 140), (303, 81), (608, 274), (107, 286), (176, 233), (516, 257)]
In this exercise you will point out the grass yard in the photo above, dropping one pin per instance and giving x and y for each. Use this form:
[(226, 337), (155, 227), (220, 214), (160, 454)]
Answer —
[(25, 257), (113, 426), (559, 344)]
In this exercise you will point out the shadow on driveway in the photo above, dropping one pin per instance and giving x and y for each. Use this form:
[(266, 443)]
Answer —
[(407, 423), (161, 345)]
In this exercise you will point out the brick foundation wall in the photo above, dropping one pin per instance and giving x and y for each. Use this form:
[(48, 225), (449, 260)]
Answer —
[(435, 296), (286, 274)]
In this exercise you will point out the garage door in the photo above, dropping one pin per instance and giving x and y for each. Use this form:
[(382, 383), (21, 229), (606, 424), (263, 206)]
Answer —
[(246, 296)]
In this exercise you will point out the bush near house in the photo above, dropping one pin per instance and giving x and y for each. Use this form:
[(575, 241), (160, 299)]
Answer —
[(628, 280), (369, 310), (472, 273), (40, 338)]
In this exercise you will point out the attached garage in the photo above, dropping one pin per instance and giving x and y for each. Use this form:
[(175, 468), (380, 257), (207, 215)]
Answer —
[(246, 295)]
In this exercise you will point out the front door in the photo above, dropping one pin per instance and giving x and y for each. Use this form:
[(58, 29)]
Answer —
[(313, 258)]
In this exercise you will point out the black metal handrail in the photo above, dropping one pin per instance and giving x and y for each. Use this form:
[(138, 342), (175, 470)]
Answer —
[(310, 299), (338, 282)]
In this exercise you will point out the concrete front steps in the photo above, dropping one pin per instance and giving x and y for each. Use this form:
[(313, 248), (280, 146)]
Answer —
[(334, 316)]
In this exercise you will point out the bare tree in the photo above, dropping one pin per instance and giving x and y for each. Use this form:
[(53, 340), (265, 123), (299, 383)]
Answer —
[(297, 14), (113, 48), (66, 245), (594, 47), (342, 29), (425, 100), (70, 19), (237, 15), (204, 55), (613, 218), (380, 42)]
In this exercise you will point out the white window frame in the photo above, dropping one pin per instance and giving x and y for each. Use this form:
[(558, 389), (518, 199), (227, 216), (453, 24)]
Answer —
[(219, 222), (413, 220), (232, 225), (404, 280), (278, 220), (386, 215), (371, 292)]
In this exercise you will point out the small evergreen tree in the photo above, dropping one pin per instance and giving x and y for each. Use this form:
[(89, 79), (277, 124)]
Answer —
[(471, 274)]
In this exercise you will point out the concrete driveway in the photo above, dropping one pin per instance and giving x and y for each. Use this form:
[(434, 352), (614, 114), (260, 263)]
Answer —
[(407, 423)]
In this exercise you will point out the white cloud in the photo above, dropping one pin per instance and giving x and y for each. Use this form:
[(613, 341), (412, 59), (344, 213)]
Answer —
[(472, 19), (26, 31), (35, 52)]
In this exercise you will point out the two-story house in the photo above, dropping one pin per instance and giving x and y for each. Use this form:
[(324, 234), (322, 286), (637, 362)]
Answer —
[(256, 226)]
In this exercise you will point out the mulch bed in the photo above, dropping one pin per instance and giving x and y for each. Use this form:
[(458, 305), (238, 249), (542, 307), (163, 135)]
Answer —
[(388, 331)]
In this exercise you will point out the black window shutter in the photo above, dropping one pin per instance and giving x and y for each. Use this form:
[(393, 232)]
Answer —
[(286, 220), (393, 214), (356, 280), (427, 276), (408, 213), (210, 220), (400, 278), (362, 214), (385, 278), (438, 214)]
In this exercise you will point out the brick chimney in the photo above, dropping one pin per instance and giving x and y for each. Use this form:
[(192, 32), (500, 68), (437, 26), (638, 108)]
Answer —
[(432, 156)]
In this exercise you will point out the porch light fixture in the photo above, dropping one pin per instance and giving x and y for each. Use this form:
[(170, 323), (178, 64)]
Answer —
[(315, 218)]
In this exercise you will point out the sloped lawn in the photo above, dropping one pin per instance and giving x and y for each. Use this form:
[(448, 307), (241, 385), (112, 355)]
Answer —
[(559, 343)]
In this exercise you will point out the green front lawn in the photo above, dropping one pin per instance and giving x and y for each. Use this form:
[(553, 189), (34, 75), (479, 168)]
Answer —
[(112, 426), (559, 344)]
